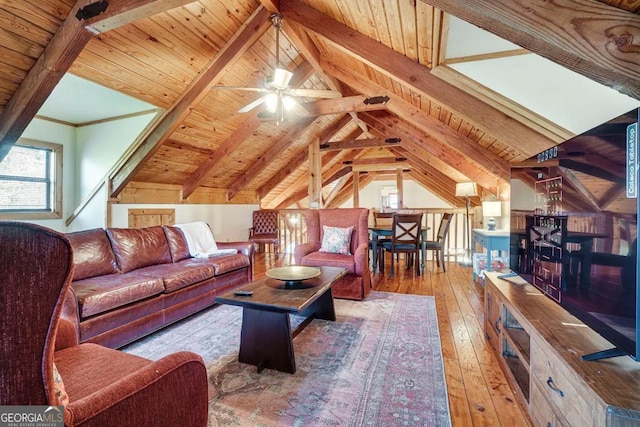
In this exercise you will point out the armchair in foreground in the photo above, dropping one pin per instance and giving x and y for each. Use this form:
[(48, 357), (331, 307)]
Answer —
[(96, 385), (356, 284)]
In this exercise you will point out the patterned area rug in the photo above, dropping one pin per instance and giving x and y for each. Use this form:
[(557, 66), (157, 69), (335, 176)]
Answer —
[(378, 364)]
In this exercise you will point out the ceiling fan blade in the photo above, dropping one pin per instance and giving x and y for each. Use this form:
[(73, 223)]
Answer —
[(248, 89), (315, 93), (251, 105)]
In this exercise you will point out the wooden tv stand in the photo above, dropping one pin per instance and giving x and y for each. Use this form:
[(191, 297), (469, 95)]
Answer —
[(539, 344)]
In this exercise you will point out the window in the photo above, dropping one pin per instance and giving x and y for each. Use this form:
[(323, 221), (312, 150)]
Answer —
[(31, 181)]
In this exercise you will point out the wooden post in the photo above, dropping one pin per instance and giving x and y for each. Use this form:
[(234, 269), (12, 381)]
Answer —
[(399, 180), (315, 175), (356, 189)]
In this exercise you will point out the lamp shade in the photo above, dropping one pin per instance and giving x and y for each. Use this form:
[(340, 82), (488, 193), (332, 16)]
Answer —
[(492, 208), (465, 189)]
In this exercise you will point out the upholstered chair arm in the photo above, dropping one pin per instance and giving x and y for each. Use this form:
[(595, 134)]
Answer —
[(304, 249), (68, 332), (361, 258), (170, 391)]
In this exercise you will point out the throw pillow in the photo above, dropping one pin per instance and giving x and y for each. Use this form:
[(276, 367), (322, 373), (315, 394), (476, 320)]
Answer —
[(58, 387), (336, 240)]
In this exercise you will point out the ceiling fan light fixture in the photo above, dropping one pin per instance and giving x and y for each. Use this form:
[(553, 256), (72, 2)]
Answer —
[(288, 102), (281, 78), (271, 102)]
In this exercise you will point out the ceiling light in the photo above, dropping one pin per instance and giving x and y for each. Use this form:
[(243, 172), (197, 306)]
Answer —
[(288, 103), (271, 102)]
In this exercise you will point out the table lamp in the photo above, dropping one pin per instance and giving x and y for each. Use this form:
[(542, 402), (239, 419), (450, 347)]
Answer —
[(466, 189), (492, 209)]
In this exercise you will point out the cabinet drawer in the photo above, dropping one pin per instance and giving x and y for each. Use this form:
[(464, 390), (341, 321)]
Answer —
[(559, 386), (541, 411)]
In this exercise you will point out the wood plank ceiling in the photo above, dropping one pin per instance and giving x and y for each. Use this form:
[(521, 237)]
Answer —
[(171, 53)]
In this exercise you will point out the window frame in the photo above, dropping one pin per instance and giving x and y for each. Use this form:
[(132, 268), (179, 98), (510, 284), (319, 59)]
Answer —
[(56, 176)]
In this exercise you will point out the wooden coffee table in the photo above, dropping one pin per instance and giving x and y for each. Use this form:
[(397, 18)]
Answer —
[(266, 339)]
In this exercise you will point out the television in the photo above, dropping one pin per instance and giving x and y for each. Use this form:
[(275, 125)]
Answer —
[(574, 219)]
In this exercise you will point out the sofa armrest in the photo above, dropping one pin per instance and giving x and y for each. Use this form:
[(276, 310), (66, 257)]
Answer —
[(174, 388), (304, 249), (246, 248), (361, 258), (68, 332)]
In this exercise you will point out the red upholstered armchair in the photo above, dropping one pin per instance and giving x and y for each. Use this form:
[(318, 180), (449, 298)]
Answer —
[(356, 284), (104, 387)]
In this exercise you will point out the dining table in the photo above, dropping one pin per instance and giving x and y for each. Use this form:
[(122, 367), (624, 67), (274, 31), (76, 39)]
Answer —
[(385, 231)]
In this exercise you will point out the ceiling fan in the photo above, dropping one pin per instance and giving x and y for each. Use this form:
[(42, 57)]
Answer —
[(279, 97)]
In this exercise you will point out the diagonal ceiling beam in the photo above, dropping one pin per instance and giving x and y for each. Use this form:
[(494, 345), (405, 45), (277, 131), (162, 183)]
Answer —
[(53, 63), (301, 158), (587, 36), (250, 31), (265, 160), (123, 12), (408, 72), (421, 144), (311, 53), (459, 150)]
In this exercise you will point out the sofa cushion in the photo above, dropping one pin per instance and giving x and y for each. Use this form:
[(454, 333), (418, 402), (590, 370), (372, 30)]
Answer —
[(92, 254), (99, 294), (319, 259), (179, 275), (177, 243), (226, 263), (139, 247)]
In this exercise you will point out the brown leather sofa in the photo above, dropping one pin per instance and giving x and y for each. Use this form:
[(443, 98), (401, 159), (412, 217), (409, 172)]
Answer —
[(128, 283)]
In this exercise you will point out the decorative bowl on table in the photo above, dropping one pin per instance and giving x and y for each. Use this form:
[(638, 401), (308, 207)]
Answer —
[(293, 275)]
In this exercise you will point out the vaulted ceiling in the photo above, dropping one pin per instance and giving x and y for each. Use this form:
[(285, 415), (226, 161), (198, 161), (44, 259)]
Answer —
[(401, 107)]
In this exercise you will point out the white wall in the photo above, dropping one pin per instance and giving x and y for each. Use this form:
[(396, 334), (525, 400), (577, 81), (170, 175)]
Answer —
[(229, 223), (99, 146), (522, 196), (43, 130), (415, 196)]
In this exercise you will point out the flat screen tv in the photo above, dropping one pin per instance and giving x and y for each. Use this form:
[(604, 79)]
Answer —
[(574, 228)]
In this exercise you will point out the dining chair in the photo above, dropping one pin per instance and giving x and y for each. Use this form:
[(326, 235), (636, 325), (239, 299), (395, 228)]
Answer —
[(437, 245), (382, 219), (405, 238)]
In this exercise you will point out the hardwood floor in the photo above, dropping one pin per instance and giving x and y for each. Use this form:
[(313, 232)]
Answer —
[(479, 394)]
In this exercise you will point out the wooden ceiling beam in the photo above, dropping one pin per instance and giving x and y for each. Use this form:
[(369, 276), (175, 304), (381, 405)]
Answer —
[(589, 37), (65, 45), (301, 158), (149, 142), (123, 12), (453, 146), (310, 52), (419, 143), (458, 150), (356, 144), (347, 104), (401, 69), (265, 160)]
